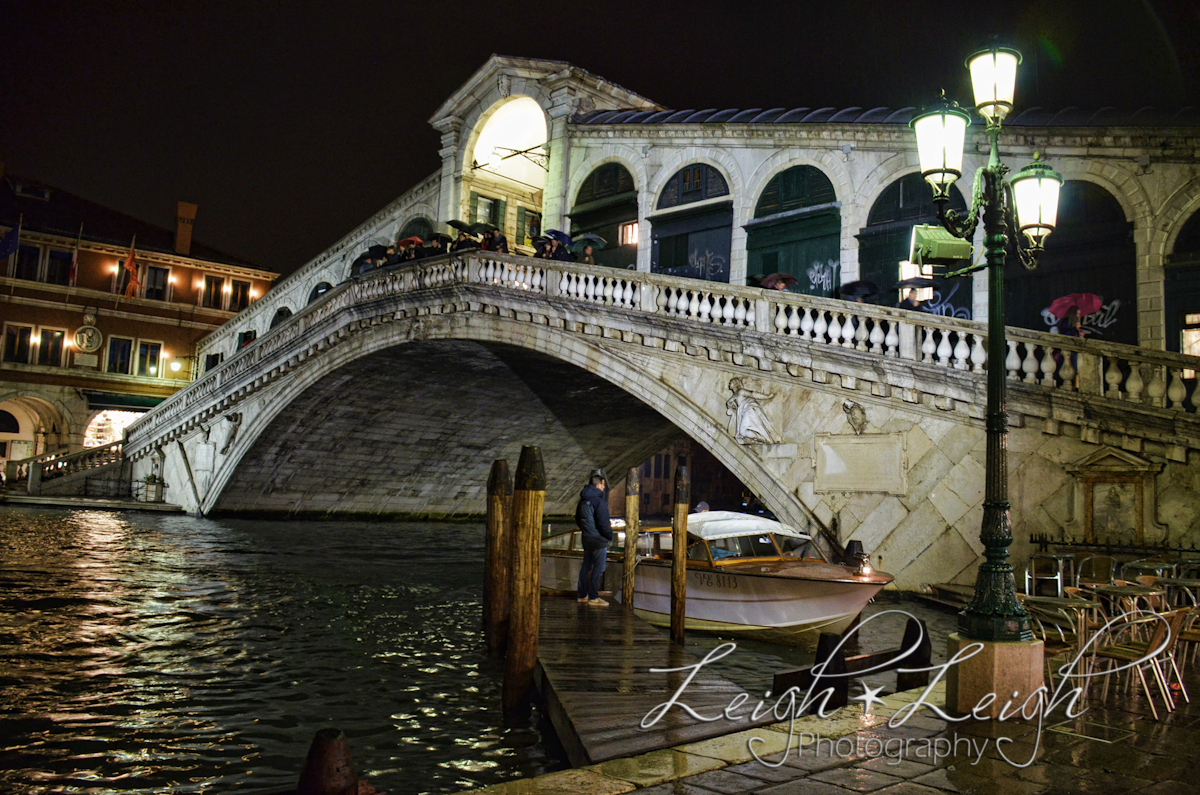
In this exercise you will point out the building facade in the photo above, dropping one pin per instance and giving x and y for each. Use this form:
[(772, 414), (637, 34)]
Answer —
[(88, 329)]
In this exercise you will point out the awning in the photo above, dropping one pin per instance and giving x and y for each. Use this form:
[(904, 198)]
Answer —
[(101, 401)]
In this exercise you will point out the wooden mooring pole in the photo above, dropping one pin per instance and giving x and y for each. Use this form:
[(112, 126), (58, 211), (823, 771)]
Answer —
[(683, 498), (529, 498), (497, 565), (633, 504)]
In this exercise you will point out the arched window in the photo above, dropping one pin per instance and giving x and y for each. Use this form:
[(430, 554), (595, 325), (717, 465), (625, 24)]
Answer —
[(323, 288), (1090, 251), (694, 244), (797, 230), (8, 423), (606, 205), (1182, 289), (692, 183), (281, 314), (417, 227), (885, 241)]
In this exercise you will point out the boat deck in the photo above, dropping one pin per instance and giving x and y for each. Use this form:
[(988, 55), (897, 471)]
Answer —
[(594, 675)]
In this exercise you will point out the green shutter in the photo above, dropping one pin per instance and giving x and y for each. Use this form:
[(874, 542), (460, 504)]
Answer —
[(520, 237), (499, 208), (474, 208)]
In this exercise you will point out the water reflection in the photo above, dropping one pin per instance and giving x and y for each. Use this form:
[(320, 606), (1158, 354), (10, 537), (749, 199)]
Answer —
[(144, 653)]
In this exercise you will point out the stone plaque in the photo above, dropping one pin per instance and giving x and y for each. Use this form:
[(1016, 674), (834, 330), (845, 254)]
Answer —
[(205, 453), (86, 359), (871, 462)]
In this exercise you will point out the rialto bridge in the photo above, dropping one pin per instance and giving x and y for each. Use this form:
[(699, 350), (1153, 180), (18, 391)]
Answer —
[(392, 393)]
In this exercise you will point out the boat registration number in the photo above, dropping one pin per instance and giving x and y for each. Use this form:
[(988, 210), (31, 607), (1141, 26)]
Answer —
[(710, 580)]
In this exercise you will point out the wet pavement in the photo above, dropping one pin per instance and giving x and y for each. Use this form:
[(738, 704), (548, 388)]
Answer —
[(1114, 746)]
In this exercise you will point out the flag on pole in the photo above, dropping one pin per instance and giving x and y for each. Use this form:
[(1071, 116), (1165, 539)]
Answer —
[(75, 256), (131, 270), (11, 241)]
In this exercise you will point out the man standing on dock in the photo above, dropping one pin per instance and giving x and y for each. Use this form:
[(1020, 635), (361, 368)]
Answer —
[(592, 517)]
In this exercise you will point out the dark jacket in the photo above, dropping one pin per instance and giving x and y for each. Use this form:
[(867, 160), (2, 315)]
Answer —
[(592, 517)]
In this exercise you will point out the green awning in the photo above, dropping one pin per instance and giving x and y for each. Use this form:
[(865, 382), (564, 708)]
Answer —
[(101, 401)]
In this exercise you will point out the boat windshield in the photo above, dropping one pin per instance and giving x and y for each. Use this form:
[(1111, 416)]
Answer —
[(761, 545)]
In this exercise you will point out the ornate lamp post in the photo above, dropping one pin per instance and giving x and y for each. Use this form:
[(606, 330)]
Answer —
[(1027, 204)]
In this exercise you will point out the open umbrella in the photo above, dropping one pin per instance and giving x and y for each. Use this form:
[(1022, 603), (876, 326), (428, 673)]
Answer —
[(438, 237), (479, 227), (560, 236), (777, 281), (859, 289), (917, 282), (1086, 303), (461, 226), (377, 251), (589, 239), (411, 241)]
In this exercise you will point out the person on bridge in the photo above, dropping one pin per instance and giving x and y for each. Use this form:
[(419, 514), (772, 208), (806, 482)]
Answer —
[(591, 515), (499, 242)]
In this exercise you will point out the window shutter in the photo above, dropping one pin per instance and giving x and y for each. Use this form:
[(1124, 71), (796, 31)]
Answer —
[(499, 208), (474, 208), (520, 237)]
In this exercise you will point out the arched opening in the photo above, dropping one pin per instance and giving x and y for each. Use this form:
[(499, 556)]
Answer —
[(281, 314), (885, 241), (1182, 290), (1090, 251), (606, 205), (322, 288), (29, 427), (417, 227), (693, 227), (505, 172), (108, 426), (796, 230), (8, 423)]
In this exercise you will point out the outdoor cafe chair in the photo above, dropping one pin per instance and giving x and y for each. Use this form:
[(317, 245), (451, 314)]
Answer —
[(1095, 569), (1136, 656)]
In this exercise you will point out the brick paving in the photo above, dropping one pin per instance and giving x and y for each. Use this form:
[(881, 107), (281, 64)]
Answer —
[(1114, 747)]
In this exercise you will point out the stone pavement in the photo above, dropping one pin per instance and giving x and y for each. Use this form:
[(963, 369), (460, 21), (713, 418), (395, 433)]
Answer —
[(1114, 747)]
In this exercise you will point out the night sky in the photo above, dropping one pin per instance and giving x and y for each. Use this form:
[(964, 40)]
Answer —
[(291, 123)]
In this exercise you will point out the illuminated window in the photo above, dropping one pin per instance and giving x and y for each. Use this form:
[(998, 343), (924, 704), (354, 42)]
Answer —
[(1190, 344), (50, 346), (18, 343), (239, 297), (120, 356), (629, 234), (148, 363), (212, 296)]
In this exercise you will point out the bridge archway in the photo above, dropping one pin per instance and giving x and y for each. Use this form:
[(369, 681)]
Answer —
[(692, 229), (796, 230), (1182, 281), (606, 205)]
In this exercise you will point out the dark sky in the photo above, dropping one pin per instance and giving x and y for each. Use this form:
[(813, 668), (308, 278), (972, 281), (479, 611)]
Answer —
[(290, 123)]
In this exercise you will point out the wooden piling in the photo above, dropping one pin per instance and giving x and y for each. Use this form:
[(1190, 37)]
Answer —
[(633, 504), (498, 560), (683, 497), (529, 498)]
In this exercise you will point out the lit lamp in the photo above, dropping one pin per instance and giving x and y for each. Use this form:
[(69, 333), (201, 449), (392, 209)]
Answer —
[(994, 614)]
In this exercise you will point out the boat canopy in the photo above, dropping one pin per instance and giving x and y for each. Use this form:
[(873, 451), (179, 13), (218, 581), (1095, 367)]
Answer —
[(715, 525)]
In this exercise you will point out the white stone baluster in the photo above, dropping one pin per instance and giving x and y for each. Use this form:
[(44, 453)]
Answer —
[(962, 352), (781, 319), (1156, 390), (627, 294), (978, 354), (860, 334), (705, 308), (820, 326), (892, 339), (1177, 391), (729, 314), (944, 349), (669, 294), (693, 306), (1012, 363), (1112, 377), (1029, 365), (608, 292), (876, 337), (928, 347), (1048, 366), (1134, 384), (744, 313), (806, 322), (835, 328), (1066, 371)]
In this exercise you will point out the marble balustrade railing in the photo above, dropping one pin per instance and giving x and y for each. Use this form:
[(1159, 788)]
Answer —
[(1124, 373), (19, 470), (88, 458)]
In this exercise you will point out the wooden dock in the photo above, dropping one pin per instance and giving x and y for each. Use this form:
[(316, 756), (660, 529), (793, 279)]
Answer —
[(594, 675)]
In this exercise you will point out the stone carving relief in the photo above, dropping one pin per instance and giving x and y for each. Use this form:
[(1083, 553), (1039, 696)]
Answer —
[(1115, 498), (856, 415), (232, 423), (747, 419), (504, 85)]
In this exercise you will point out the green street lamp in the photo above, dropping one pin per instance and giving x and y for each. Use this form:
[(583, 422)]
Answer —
[(1027, 204)]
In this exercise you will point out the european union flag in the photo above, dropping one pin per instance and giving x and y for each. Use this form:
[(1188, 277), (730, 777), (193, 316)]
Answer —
[(8, 246)]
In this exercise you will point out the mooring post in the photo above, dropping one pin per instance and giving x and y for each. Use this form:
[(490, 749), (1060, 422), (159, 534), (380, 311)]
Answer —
[(633, 497), (497, 565), (683, 498), (529, 497)]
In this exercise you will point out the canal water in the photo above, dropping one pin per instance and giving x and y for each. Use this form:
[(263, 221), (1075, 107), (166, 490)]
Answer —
[(143, 653)]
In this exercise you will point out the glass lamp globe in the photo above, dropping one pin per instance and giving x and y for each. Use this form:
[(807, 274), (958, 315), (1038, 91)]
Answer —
[(994, 80), (941, 134), (1035, 192)]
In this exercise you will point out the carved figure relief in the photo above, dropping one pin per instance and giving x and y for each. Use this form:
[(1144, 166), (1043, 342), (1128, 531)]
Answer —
[(233, 423), (856, 415), (504, 85), (747, 420)]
